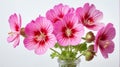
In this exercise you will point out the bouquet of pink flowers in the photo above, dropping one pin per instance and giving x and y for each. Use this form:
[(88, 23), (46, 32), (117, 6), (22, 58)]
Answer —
[(63, 31)]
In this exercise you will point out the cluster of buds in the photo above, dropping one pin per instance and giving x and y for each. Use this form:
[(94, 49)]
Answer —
[(89, 53)]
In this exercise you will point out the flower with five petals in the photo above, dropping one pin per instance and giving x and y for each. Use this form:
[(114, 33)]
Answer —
[(104, 41), (90, 17), (39, 35), (15, 26), (68, 31)]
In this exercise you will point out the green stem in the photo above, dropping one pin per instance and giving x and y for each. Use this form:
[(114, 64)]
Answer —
[(55, 51), (83, 38), (61, 49), (70, 48), (67, 49), (79, 56)]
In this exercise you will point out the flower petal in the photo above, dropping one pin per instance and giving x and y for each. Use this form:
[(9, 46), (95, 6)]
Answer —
[(86, 7), (42, 22), (74, 41), (51, 16), (41, 50), (80, 13), (58, 27), (29, 43), (99, 33), (11, 38), (30, 28), (20, 20), (97, 15), (16, 42), (62, 41), (110, 31), (71, 18), (58, 12), (52, 41), (110, 47), (14, 22), (104, 54), (96, 27)]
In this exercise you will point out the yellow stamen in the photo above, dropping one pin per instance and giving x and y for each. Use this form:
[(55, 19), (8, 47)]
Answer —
[(11, 33), (106, 44), (40, 37), (68, 32)]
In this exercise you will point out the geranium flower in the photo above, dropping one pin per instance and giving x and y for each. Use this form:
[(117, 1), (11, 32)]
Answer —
[(104, 40), (58, 12), (15, 26), (39, 35), (69, 31), (90, 17)]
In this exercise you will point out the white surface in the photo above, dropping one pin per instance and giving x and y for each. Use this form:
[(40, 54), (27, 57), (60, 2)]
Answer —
[(30, 9)]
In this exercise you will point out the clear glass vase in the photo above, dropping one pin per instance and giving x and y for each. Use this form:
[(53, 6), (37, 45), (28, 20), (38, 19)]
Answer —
[(64, 63)]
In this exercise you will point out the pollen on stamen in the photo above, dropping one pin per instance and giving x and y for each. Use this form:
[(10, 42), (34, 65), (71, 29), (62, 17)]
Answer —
[(106, 44), (68, 32), (40, 37), (11, 33)]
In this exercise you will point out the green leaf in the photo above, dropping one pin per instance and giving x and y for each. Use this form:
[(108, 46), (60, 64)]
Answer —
[(56, 45), (53, 55), (68, 55), (83, 47)]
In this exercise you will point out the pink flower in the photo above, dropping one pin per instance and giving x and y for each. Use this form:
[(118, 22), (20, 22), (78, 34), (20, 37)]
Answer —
[(15, 26), (58, 12), (104, 40), (69, 31), (89, 16), (39, 35)]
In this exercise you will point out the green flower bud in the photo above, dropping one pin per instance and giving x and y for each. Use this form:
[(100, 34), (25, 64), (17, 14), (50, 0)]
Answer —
[(89, 55), (90, 37), (91, 48)]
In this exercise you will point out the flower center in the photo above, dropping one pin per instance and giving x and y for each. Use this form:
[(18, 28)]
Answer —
[(40, 37), (68, 32), (88, 20), (16, 27), (106, 44)]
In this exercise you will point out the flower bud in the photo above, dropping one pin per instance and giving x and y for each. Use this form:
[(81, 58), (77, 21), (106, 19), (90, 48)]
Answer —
[(22, 32), (90, 37), (89, 55), (91, 48)]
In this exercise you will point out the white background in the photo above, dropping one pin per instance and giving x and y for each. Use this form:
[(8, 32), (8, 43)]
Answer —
[(30, 9)]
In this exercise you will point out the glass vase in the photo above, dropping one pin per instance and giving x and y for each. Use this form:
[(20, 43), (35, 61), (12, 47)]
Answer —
[(64, 63)]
